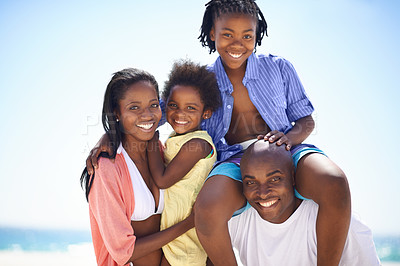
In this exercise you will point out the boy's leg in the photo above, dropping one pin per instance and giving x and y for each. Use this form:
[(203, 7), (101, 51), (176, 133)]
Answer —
[(321, 180), (217, 201)]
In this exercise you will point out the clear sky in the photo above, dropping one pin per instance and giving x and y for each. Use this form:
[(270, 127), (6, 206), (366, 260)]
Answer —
[(56, 59)]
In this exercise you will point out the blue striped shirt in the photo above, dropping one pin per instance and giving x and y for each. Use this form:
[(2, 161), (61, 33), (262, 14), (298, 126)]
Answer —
[(275, 90)]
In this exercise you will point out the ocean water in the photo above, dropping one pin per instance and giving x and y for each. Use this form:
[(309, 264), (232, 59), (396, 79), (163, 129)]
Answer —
[(388, 247), (34, 240), (17, 239)]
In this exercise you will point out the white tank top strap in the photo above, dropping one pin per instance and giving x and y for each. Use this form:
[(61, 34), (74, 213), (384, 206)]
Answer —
[(145, 205)]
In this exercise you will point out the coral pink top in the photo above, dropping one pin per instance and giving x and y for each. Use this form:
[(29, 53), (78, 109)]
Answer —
[(111, 205)]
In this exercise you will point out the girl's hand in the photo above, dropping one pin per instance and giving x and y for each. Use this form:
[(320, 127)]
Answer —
[(154, 144), (278, 137), (156, 136), (102, 146)]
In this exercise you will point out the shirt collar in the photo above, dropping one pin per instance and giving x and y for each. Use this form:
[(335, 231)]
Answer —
[(223, 81), (252, 67)]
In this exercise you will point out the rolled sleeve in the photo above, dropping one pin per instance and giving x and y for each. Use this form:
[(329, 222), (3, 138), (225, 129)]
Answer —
[(299, 109), (298, 103)]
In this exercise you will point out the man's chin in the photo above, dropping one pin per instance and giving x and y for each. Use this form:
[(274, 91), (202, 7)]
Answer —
[(266, 214)]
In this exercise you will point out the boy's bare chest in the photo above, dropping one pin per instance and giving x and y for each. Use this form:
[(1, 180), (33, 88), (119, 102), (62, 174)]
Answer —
[(246, 121), (242, 102)]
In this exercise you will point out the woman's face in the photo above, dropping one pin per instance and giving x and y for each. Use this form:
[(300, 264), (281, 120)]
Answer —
[(139, 112)]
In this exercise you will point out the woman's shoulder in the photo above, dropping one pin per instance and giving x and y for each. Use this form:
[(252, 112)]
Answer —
[(107, 165)]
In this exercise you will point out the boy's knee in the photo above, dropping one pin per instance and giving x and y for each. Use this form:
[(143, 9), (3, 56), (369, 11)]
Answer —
[(208, 209), (206, 216), (338, 189)]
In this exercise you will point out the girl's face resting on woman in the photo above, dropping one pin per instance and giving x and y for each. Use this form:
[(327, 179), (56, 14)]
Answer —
[(139, 112), (185, 110)]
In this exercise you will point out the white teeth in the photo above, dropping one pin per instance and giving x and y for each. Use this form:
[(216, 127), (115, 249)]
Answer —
[(268, 204), (235, 55), (146, 126), (181, 122)]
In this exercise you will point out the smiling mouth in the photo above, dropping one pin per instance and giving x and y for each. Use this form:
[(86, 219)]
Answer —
[(181, 122), (146, 126), (235, 55), (268, 204)]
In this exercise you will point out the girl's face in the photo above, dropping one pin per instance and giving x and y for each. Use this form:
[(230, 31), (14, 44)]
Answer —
[(185, 110), (139, 112), (234, 36)]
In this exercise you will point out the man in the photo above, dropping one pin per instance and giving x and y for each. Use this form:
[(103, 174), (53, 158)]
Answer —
[(278, 228)]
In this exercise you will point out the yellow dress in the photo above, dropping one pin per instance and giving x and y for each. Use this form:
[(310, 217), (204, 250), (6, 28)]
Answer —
[(179, 199)]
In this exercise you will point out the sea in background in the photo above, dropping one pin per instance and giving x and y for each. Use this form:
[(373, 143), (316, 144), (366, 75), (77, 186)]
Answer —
[(72, 247)]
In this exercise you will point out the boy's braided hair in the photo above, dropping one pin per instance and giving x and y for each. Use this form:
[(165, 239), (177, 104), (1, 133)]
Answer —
[(216, 8)]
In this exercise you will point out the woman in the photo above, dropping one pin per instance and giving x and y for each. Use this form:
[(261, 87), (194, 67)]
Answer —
[(124, 203)]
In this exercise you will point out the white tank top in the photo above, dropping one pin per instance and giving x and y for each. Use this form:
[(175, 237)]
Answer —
[(145, 205)]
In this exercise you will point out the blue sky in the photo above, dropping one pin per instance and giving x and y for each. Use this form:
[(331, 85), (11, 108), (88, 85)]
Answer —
[(57, 58)]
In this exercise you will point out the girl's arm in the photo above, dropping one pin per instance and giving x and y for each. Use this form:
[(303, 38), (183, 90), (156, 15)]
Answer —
[(108, 208), (153, 242), (189, 154)]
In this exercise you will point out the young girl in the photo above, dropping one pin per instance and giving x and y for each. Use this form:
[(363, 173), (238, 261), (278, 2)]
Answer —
[(261, 95), (191, 95), (124, 203)]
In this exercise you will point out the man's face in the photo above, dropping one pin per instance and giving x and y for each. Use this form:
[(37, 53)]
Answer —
[(268, 187)]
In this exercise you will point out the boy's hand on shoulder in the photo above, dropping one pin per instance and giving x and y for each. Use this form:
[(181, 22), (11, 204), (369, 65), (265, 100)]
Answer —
[(278, 137), (102, 146)]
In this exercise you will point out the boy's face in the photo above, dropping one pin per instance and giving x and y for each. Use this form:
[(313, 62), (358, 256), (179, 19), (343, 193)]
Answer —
[(234, 36), (185, 110), (268, 187)]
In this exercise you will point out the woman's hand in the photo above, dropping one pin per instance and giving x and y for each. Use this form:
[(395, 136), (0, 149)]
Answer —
[(278, 137), (102, 146)]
